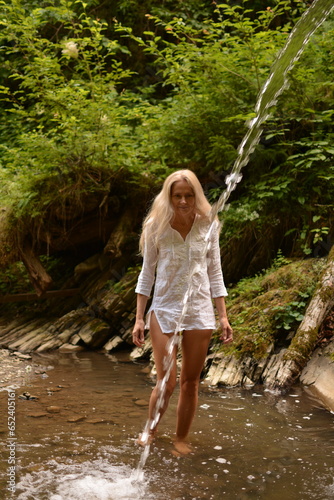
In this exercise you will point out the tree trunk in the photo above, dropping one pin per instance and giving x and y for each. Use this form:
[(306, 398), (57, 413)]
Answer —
[(40, 279), (120, 235), (303, 343)]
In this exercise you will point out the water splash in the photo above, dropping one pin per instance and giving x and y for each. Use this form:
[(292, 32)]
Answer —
[(92, 480), (274, 86)]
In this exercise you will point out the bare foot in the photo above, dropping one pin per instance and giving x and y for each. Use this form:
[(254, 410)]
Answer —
[(181, 448), (145, 439)]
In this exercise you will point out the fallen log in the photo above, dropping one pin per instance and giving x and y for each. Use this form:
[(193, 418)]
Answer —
[(305, 339), (23, 297)]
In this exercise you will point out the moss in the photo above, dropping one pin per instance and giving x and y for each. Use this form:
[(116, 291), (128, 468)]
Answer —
[(302, 346), (256, 307), (326, 293)]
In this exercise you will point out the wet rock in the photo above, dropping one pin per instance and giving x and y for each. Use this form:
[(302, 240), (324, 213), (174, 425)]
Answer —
[(71, 348), (135, 414), (74, 420), (318, 375), (141, 402), (28, 397), (52, 343), (33, 340), (66, 335), (274, 368), (76, 340), (25, 336), (142, 353), (247, 382), (95, 333), (225, 370), (20, 355), (98, 421), (113, 343)]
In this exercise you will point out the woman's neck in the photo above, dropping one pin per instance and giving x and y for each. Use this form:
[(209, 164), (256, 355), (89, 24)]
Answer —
[(186, 221)]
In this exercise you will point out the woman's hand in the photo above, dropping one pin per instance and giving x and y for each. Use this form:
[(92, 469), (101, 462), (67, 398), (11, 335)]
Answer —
[(138, 333), (227, 333)]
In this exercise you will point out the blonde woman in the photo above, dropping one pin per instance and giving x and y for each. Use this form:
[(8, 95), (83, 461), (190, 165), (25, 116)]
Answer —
[(175, 250)]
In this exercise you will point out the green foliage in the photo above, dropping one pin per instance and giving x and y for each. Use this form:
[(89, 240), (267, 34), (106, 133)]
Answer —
[(14, 279), (77, 131), (266, 309), (279, 261), (214, 74), (287, 317)]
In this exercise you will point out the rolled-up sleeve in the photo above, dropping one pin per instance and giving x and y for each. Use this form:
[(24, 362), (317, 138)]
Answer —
[(147, 274), (215, 273)]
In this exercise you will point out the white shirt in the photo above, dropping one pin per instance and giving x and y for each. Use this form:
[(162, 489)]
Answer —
[(183, 265)]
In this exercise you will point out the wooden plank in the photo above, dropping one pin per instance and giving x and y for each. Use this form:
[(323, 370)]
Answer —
[(19, 297)]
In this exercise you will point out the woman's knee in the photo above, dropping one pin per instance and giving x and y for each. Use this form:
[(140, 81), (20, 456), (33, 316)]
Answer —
[(166, 386), (189, 386)]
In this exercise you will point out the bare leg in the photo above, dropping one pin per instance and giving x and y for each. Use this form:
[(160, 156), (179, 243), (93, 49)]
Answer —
[(195, 344), (159, 345)]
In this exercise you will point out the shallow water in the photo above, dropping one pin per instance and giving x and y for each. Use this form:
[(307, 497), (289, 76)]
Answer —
[(78, 439)]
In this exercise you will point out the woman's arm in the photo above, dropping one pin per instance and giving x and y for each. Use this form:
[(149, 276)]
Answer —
[(143, 290), (227, 332), (218, 289), (138, 333)]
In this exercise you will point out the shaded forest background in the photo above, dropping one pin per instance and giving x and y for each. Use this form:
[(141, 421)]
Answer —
[(101, 100)]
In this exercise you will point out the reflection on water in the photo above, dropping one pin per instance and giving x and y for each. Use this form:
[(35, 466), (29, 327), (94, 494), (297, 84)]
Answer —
[(78, 439)]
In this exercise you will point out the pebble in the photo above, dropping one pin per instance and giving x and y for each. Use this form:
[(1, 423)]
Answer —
[(141, 402), (53, 409), (74, 420)]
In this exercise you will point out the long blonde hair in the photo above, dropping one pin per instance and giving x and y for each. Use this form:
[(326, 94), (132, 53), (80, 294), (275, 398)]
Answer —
[(161, 211)]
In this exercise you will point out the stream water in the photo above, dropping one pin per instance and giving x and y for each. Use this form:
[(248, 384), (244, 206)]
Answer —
[(77, 440)]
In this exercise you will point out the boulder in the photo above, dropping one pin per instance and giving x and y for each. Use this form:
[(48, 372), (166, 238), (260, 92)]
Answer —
[(318, 375)]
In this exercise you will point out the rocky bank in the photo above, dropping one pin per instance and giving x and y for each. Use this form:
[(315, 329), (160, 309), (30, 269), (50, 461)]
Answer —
[(101, 317)]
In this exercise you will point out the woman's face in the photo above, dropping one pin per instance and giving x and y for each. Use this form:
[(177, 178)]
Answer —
[(182, 198)]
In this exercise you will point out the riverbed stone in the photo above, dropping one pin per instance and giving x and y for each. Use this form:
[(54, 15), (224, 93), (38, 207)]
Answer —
[(53, 409), (71, 348), (76, 419), (141, 402), (21, 355)]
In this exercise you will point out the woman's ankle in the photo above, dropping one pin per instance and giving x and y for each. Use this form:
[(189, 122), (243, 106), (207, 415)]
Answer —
[(182, 446)]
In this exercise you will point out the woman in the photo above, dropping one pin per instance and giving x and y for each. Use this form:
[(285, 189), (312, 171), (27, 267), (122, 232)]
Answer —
[(178, 246)]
